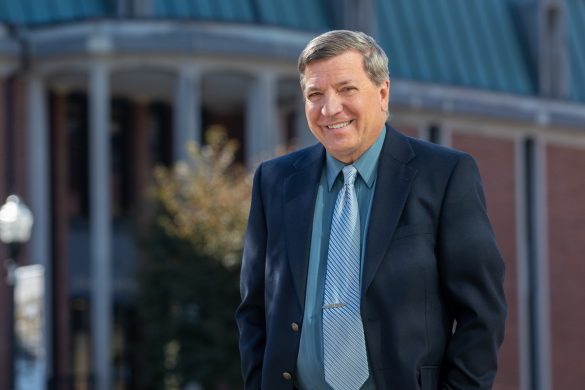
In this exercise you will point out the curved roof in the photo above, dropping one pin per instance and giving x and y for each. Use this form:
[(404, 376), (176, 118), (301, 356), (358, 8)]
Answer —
[(35, 12), (468, 43), (298, 14), (576, 35)]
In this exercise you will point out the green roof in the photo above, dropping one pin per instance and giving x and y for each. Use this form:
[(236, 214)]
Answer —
[(299, 14), (34, 12), (576, 35), (469, 43)]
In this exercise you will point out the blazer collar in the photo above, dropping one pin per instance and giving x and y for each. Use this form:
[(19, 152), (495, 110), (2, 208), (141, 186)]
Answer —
[(393, 185), (300, 191)]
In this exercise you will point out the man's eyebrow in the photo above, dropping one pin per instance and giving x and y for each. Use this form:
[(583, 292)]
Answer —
[(311, 88), (342, 83)]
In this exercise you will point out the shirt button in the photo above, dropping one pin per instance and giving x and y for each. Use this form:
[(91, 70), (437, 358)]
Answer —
[(294, 326), (286, 376)]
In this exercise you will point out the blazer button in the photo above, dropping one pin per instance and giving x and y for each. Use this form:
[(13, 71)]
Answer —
[(294, 326), (286, 376)]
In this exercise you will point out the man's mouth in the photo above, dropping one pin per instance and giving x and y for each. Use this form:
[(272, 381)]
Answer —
[(339, 125)]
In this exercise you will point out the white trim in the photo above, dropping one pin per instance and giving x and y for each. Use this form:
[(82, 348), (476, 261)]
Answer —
[(565, 139), (262, 133), (542, 289), (170, 63), (39, 194), (100, 224), (462, 124), (522, 266), (493, 128), (414, 94), (142, 28), (186, 111)]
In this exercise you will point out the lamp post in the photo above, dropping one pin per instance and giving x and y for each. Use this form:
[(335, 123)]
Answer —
[(16, 222)]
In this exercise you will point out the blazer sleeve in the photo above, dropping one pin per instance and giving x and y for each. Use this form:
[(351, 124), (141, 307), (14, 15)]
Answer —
[(250, 315), (472, 273)]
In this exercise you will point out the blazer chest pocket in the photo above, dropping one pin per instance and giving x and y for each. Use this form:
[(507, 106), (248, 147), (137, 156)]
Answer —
[(429, 377), (412, 230)]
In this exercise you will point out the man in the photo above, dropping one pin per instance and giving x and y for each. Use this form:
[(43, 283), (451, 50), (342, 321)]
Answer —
[(369, 260)]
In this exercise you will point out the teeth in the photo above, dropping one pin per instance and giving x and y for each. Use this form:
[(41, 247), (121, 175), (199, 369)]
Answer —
[(339, 125)]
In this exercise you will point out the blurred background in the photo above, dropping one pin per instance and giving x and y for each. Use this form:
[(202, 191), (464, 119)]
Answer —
[(129, 278)]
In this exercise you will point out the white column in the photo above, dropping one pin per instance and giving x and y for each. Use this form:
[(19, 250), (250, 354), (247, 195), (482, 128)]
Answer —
[(100, 223), (38, 188), (303, 134), (263, 134), (187, 111), (522, 265), (542, 293)]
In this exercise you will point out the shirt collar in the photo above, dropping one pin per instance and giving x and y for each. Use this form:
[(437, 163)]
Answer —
[(365, 164)]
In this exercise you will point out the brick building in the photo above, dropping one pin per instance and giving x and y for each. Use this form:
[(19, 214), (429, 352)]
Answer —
[(503, 80)]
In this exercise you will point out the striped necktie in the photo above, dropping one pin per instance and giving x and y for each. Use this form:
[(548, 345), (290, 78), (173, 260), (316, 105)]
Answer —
[(344, 348)]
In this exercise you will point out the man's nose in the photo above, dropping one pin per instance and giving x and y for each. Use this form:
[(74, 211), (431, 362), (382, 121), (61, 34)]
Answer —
[(332, 105)]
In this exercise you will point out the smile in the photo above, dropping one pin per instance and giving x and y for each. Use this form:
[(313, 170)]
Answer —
[(339, 125)]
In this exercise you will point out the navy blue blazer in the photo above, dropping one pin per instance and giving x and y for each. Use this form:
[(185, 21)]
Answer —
[(433, 305)]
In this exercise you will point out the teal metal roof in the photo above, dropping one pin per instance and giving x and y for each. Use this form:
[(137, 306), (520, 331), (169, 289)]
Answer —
[(576, 37), (299, 14), (217, 10), (470, 43), (302, 14), (31, 12)]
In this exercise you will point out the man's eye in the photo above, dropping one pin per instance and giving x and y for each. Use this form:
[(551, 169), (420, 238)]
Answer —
[(347, 90), (313, 96)]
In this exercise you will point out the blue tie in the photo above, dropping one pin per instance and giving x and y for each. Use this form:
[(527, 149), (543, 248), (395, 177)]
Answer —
[(344, 347)]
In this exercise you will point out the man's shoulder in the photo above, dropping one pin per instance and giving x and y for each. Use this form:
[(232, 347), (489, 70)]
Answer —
[(427, 152)]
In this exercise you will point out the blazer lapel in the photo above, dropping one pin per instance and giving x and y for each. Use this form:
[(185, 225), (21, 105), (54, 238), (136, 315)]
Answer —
[(392, 188), (300, 191)]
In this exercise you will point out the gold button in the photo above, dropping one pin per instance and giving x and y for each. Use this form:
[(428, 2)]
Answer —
[(286, 376), (294, 326)]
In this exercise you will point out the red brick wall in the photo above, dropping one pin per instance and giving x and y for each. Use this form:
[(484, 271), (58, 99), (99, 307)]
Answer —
[(16, 91), (3, 157), (566, 231), (20, 140), (496, 160)]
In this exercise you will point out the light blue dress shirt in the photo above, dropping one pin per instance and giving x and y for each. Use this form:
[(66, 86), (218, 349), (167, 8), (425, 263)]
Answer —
[(310, 374)]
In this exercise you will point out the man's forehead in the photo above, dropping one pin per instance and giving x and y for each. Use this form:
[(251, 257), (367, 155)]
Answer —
[(340, 66), (350, 55)]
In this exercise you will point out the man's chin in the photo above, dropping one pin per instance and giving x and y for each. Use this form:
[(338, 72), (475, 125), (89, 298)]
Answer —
[(344, 155)]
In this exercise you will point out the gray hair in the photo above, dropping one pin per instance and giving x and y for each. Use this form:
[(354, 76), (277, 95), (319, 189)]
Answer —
[(334, 43)]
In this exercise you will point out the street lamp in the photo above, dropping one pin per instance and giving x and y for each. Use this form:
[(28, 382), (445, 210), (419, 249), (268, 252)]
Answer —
[(16, 222)]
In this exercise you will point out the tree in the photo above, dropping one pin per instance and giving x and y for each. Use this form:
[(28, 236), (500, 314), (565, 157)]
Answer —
[(188, 284)]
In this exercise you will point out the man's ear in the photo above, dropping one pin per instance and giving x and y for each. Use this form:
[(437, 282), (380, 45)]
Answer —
[(384, 90)]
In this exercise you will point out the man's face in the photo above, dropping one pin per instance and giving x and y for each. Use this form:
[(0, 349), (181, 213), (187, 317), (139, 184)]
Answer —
[(345, 109)]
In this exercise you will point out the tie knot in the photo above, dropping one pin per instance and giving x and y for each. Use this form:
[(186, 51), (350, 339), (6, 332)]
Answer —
[(349, 174)]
